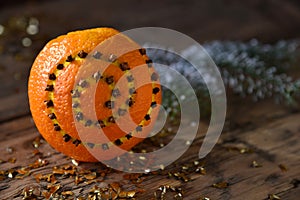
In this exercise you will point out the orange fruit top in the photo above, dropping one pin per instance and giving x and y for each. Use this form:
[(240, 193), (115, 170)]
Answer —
[(92, 93)]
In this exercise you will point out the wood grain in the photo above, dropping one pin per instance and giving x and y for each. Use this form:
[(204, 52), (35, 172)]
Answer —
[(272, 144), (13, 106)]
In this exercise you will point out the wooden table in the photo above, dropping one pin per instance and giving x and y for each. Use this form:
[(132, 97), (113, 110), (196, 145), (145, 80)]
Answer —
[(257, 156)]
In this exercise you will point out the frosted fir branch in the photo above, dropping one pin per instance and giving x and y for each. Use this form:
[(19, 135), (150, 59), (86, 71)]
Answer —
[(256, 69), (249, 69)]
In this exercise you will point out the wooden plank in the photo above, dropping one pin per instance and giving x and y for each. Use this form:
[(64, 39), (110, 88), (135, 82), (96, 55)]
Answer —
[(13, 106), (272, 144), (15, 126), (246, 182)]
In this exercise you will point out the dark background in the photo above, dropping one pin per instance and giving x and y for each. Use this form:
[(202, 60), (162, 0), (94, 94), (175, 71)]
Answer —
[(266, 20)]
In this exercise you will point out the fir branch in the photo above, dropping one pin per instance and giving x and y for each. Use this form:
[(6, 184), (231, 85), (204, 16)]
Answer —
[(249, 69), (256, 69)]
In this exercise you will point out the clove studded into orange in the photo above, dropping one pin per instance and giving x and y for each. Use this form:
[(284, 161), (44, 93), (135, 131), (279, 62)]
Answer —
[(122, 110)]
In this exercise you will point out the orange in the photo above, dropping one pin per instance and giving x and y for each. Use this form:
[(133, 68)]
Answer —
[(87, 96)]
